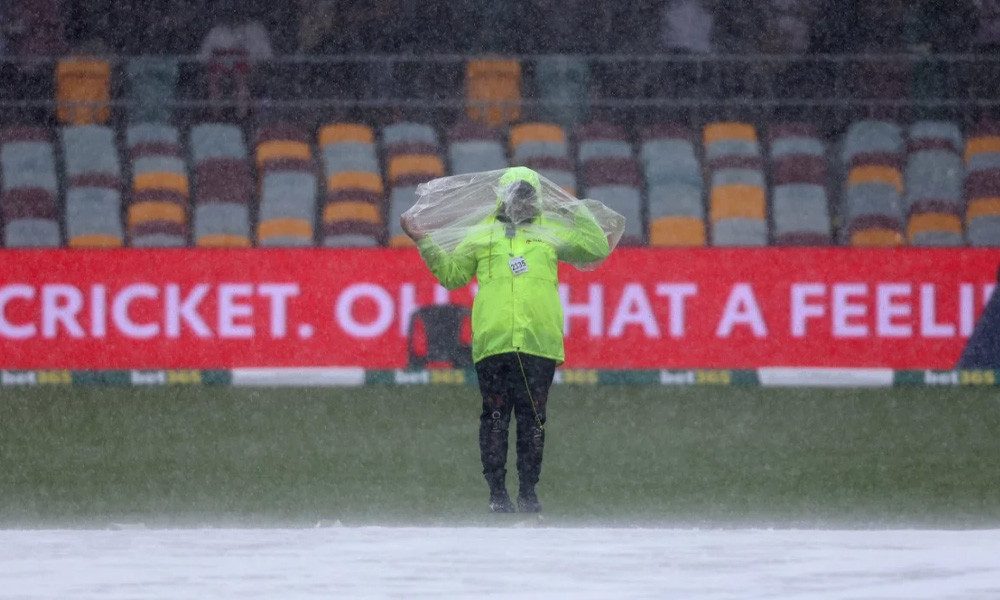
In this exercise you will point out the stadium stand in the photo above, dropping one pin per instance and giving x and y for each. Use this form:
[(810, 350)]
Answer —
[(544, 147), (158, 207), (493, 90), (93, 177), (473, 147), (355, 208), (413, 156), (674, 186), (223, 185), (982, 186), (30, 189), (562, 83), (800, 205), (872, 156), (737, 188), (611, 175), (933, 184), (83, 91), (152, 86), (288, 187)]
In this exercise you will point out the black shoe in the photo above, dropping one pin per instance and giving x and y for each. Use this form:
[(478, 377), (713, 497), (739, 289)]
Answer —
[(500, 502), (527, 502)]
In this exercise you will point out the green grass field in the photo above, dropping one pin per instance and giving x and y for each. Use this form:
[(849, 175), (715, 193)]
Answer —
[(90, 456)]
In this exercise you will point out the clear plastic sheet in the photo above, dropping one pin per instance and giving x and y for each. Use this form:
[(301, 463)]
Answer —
[(452, 209)]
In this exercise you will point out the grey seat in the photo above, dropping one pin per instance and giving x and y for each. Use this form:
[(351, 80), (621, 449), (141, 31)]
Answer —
[(984, 161), (221, 218), (937, 238), (32, 233), (800, 207), (721, 148), (872, 136), (159, 240), (91, 211), (604, 149), (797, 145), (217, 140), (474, 156), (738, 176), (90, 149), (562, 178), (28, 165), (536, 149), (739, 231), (288, 195), (350, 240), (562, 82), (676, 199), (408, 133), (400, 199), (984, 231), (872, 199), (145, 133), (625, 200), (934, 175), (937, 130), (350, 156), (667, 161), (158, 164)]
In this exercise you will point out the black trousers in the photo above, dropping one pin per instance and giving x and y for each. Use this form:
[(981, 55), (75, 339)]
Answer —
[(520, 383)]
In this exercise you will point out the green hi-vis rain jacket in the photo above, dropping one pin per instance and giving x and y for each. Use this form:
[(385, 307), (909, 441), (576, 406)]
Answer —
[(517, 307)]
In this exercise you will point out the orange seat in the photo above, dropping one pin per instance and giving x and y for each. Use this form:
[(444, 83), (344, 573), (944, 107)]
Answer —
[(876, 236), (401, 241), (284, 227), (493, 90), (83, 91), (716, 132), (415, 164), (338, 133), (277, 149), (737, 200), (146, 212), (223, 240), (933, 222), (95, 240), (161, 180), (876, 174), (355, 180), (352, 211), (536, 132), (677, 231), (981, 145), (982, 207)]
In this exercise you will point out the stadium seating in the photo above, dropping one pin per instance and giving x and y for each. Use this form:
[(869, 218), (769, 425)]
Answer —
[(30, 189), (94, 187), (474, 147), (223, 186), (544, 148), (493, 90), (611, 175), (933, 183), (982, 186), (873, 196), (83, 91), (158, 209), (413, 156), (800, 200), (562, 83), (355, 207), (737, 187), (674, 186), (288, 187), (152, 85)]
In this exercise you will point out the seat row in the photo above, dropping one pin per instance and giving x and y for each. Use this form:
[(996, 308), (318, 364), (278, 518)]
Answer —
[(881, 184)]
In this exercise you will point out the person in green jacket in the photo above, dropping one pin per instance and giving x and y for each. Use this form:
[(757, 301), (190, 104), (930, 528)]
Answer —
[(517, 318)]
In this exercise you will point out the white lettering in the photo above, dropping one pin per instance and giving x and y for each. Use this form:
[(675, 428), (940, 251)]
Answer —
[(185, 310), (967, 308), (929, 325), (61, 304), (592, 310), (634, 308), (888, 309), (343, 311), (10, 330), (99, 311), (230, 310), (278, 293), (844, 310), (676, 293), (741, 309), (119, 311), (802, 309)]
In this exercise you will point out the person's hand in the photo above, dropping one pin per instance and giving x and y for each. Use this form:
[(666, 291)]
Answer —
[(409, 225)]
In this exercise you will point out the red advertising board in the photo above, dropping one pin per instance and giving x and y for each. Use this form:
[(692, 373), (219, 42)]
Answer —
[(643, 308)]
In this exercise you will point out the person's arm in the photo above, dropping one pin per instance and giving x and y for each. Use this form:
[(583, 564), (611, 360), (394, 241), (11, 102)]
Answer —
[(453, 270), (585, 241)]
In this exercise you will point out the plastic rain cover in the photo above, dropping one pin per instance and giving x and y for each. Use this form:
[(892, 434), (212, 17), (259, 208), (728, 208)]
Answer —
[(451, 209)]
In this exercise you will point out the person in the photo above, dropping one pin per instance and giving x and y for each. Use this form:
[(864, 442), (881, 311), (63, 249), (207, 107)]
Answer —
[(231, 49), (517, 317)]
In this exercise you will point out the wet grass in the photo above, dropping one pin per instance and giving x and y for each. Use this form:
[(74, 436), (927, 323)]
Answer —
[(178, 456)]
